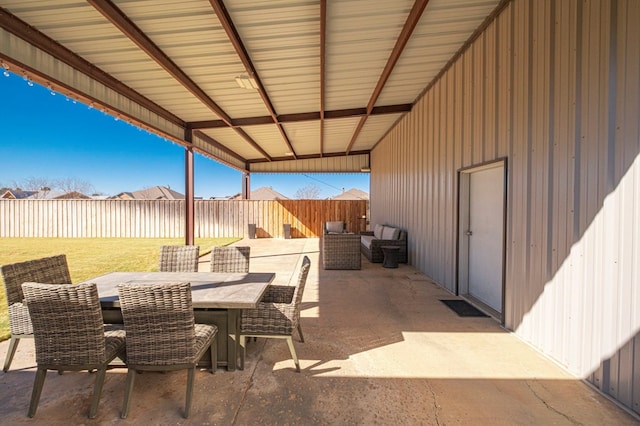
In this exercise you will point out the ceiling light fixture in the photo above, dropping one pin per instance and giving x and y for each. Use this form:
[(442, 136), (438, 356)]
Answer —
[(246, 82), (365, 169)]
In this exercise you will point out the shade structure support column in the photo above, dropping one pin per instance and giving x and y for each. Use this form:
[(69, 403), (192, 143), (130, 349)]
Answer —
[(189, 210), (246, 185)]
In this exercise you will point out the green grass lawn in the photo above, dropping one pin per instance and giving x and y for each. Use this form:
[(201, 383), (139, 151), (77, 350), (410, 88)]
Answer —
[(90, 257)]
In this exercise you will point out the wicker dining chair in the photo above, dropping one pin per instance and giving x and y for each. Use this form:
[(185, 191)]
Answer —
[(179, 258), (52, 270), (70, 335), (173, 342), (230, 259), (277, 315)]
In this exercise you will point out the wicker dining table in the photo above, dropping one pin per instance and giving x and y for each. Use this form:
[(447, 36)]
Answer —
[(218, 298)]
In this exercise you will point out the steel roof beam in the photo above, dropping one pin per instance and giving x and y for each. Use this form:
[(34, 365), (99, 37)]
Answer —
[(410, 24), (114, 15), (238, 45), (311, 156), (303, 116), (323, 67), (214, 143), (31, 35)]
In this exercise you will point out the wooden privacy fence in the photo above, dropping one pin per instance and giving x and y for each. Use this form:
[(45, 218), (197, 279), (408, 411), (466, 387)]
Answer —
[(166, 219)]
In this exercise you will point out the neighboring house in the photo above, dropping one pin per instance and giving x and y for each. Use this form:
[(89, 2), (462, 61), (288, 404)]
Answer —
[(352, 194), (262, 193), (17, 194), (72, 195), (153, 193), (58, 195), (44, 195)]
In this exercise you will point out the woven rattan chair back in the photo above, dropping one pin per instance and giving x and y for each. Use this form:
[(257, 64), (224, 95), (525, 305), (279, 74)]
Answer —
[(230, 259), (277, 314), (69, 334), (299, 289), (50, 270), (53, 270), (174, 342), (179, 258)]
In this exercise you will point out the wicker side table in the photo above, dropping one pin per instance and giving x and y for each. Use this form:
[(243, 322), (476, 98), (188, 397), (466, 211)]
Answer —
[(390, 256), (341, 251)]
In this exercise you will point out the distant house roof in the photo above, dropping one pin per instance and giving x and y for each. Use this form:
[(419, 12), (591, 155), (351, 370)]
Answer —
[(352, 194), (153, 193), (17, 194), (44, 195), (262, 193), (72, 195), (58, 195)]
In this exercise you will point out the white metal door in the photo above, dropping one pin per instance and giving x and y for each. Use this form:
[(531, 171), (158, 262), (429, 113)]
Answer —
[(485, 234)]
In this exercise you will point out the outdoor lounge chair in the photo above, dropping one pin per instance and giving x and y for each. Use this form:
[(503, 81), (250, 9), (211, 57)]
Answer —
[(335, 227), (230, 259), (174, 342), (52, 270), (179, 258), (341, 251), (70, 335), (277, 314)]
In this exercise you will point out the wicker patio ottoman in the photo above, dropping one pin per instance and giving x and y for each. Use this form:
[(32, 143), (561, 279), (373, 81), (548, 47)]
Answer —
[(341, 251)]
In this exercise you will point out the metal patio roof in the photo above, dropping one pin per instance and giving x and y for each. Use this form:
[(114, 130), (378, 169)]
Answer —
[(331, 77)]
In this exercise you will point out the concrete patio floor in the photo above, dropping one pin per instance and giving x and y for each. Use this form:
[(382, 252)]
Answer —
[(380, 349)]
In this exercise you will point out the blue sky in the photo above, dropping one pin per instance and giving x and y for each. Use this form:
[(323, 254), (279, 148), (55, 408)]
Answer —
[(49, 136)]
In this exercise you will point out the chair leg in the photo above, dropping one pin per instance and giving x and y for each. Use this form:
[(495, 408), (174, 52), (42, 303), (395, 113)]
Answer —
[(131, 375), (97, 391), (13, 345), (243, 349), (293, 353), (214, 355), (190, 378), (38, 383), (300, 333)]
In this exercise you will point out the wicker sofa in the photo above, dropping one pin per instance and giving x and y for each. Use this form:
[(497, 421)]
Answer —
[(371, 242)]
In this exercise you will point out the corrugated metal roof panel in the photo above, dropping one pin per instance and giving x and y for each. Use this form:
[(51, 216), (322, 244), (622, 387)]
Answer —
[(305, 136), (233, 141), (338, 132), (211, 62), (105, 45), (443, 29), (217, 154), (270, 139), (282, 39), (374, 129), (360, 38)]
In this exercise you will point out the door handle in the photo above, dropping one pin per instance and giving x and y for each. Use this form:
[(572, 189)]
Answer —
[(469, 233)]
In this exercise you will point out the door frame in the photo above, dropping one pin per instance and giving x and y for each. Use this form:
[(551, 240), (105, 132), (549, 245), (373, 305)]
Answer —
[(462, 262)]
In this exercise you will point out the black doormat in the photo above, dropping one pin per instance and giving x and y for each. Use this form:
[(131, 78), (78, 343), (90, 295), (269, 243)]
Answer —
[(463, 308)]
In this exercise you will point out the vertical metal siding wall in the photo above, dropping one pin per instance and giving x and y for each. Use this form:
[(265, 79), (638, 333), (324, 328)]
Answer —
[(553, 86)]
